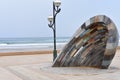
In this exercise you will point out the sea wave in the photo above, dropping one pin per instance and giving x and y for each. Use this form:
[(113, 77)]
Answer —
[(31, 44), (3, 44), (7, 47), (28, 47)]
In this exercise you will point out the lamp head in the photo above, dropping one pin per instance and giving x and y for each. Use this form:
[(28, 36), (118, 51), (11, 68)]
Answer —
[(57, 3), (50, 18)]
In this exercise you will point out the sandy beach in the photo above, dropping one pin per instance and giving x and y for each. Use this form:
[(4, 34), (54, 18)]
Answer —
[(27, 52), (36, 65)]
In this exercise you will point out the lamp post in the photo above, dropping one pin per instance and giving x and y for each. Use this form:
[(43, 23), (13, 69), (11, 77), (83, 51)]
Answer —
[(52, 24)]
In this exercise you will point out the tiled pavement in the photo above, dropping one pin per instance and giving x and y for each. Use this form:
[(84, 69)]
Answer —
[(38, 67)]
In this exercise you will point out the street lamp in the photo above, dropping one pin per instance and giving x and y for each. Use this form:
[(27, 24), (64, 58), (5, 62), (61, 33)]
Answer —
[(52, 24)]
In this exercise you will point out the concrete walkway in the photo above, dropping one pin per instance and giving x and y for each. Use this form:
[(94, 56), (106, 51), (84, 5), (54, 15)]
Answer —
[(38, 67)]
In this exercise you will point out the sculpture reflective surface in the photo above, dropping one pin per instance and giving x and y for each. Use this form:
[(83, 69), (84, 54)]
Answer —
[(93, 44)]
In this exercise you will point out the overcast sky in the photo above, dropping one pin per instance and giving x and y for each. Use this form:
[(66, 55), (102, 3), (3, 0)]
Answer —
[(28, 18)]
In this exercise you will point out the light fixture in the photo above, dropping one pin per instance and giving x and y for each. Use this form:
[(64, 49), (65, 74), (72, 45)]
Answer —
[(50, 18), (52, 24), (57, 3)]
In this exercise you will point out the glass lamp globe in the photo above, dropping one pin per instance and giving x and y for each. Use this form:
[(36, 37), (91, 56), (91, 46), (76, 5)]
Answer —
[(57, 3), (50, 18)]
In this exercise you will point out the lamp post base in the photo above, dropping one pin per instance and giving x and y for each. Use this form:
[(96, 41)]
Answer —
[(54, 54)]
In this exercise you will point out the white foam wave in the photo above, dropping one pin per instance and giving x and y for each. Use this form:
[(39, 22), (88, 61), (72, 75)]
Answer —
[(32, 44), (3, 44)]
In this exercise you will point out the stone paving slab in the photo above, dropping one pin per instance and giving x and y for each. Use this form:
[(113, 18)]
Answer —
[(7, 75)]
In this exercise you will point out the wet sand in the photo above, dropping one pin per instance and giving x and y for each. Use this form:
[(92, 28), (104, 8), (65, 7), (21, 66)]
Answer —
[(38, 67), (27, 52)]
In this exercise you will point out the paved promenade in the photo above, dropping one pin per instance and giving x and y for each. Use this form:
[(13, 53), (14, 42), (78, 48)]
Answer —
[(38, 67)]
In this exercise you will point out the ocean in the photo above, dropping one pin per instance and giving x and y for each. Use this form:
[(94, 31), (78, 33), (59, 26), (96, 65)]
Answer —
[(30, 44)]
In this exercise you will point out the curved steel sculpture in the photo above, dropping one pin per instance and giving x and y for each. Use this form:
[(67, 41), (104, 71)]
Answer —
[(94, 44)]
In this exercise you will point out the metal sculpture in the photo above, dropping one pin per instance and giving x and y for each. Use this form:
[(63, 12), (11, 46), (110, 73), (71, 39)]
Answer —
[(94, 44)]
